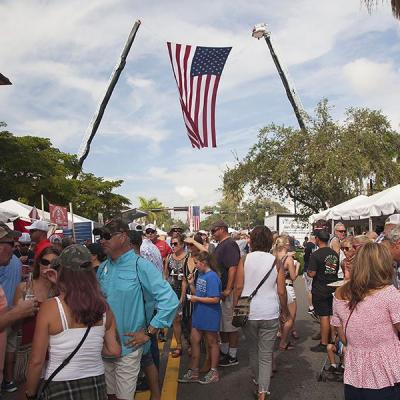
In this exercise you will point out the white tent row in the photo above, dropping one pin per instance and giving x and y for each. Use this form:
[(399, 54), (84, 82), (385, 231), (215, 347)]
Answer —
[(17, 209), (363, 207)]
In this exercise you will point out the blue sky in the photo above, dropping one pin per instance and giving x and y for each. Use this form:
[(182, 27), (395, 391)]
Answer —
[(59, 55)]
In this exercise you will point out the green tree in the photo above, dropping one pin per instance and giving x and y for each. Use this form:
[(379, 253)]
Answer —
[(240, 215), (31, 166), (394, 3), (323, 166), (156, 212)]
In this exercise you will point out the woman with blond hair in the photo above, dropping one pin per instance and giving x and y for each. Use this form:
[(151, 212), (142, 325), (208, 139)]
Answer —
[(366, 311), (350, 245), (280, 250)]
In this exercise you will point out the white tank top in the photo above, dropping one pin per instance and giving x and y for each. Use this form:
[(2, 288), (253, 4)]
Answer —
[(87, 361), (265, 304)]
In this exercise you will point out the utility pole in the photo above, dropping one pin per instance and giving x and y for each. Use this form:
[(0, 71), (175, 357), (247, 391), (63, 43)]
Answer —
[(94, 124), (259, 31)]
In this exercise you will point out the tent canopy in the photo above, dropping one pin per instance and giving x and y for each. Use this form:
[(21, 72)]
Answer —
[(386, 202), (21, 210)]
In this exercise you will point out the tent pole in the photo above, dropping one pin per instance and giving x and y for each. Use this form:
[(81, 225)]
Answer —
[(370, 224)]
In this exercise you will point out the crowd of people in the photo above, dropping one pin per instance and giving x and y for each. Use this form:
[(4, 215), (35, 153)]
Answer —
[(84, 321)]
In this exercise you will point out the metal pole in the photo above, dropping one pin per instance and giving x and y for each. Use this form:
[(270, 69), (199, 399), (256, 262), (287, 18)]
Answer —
[(42, 200), (94, 124), (72, 220), (290, 92)]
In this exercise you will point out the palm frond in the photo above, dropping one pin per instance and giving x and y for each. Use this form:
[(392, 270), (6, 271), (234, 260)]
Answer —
[(371, 4)]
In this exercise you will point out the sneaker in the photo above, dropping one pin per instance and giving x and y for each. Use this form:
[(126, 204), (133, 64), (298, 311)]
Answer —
[(212, 376), (190, 377), (9, 386), (319, 348), (314, 315), (316, 336), (310, 310), (161, 336), (228, 361), (331, 369), (340, 369)]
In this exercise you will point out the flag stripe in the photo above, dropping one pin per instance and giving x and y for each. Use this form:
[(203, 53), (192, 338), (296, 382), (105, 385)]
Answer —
[(197, 72)]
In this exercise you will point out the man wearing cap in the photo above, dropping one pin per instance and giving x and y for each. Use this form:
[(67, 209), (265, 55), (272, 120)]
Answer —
[(150, 251), (390, 223), (227, 255), (151, 233), (38, 231), (24, 308), (392, 241), (323, 267), (142, 302)]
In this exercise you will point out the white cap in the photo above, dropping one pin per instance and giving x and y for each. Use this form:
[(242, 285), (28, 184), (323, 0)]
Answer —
[(39, 225), (394, 219), (202, 232), (150, 226), (24, 238)]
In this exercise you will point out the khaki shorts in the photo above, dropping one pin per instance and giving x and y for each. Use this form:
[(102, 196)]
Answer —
[(227, 314), (122, 373)]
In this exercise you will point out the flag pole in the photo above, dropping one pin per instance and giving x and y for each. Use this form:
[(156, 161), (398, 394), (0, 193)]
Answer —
[(94, 124), (42, 200), (72, 220)]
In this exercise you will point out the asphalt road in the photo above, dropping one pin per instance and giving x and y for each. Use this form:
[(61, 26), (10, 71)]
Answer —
[(295, 378)]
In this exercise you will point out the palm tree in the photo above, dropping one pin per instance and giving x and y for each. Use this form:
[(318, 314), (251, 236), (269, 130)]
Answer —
[(395, 6)]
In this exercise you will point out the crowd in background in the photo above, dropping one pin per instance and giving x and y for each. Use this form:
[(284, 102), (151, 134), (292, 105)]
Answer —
[(108, 303)]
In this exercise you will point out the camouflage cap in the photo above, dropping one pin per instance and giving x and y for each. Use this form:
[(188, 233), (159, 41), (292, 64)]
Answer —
[(76, 257), (7, 234)]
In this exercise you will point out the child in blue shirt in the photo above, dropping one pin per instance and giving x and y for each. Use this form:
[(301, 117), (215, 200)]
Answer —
[(206, 318)]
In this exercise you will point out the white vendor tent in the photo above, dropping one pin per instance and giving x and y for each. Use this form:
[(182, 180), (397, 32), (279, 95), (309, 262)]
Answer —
[(383, 203), (386, 202), (340, 211), (21, 210)]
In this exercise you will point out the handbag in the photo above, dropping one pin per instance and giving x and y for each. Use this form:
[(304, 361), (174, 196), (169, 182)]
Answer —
[(242, 309), (40, 395)]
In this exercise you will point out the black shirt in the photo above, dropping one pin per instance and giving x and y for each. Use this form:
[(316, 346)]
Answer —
[(325, 262), (227, 255), (308, 249)]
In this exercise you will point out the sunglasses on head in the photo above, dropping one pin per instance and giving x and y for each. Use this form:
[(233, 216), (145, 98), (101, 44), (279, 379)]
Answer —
[(148, 231), (108, 235), (44, 262)]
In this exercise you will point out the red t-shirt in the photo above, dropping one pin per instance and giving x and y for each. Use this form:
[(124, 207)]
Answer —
[(162, 245)]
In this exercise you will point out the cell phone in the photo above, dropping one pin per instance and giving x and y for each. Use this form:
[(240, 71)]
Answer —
[(188, 296)]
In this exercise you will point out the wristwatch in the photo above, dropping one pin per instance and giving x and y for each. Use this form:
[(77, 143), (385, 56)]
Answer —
[(148, 333)]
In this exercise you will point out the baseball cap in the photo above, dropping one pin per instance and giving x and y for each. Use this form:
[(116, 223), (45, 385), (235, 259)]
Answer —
[(114, 226), (25, 238), (39, 226), (7, 234), (175, 228), (150, 226), (394, 219), (134, 226), (218, 224), (75, 257), (202, 232)]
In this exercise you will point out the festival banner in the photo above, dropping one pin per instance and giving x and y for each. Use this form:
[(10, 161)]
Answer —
[(58, 215)]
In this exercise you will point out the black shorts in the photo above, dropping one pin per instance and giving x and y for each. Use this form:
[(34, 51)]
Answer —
[(322, 305)]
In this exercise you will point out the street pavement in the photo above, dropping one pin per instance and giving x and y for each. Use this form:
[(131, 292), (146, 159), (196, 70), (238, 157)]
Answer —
[(296, 378)]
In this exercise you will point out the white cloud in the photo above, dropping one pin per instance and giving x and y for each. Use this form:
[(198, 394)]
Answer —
[(186, 192)]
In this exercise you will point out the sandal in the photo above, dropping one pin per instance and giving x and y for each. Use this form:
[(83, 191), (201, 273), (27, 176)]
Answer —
[(176, 353), (289, 346)]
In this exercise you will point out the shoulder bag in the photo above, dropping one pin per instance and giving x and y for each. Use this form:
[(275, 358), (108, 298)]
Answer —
[(242, 309), (40, 395)]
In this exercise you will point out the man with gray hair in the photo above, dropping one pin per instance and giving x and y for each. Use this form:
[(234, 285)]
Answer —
[(392, 241)]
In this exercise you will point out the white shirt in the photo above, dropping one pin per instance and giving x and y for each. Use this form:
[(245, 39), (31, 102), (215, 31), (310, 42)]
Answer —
[(265, 304), (150, 252)]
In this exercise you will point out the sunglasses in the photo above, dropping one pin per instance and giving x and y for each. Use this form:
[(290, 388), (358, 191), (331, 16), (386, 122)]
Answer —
[(215, 230), (44, 262), (24, 244), (107, 235), (347, 248), (341, 231), (174, 244), (149, 231)]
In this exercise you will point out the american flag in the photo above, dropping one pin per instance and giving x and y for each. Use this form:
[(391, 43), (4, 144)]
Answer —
[(197, 73), (194, 218)]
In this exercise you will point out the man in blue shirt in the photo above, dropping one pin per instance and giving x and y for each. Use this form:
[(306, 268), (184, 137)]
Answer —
[(141, 300)]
